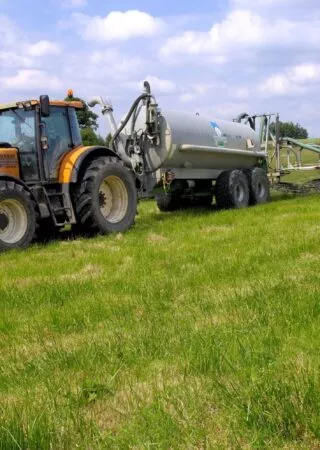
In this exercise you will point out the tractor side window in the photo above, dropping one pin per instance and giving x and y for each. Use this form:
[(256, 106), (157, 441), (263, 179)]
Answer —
[(17, 128), (58, 132)]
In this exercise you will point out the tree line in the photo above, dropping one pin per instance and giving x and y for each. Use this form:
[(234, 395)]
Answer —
[(290, 129)]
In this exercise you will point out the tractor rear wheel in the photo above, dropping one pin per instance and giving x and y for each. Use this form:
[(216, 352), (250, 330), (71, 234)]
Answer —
[(232, 189), (106, 197), (17, 216)]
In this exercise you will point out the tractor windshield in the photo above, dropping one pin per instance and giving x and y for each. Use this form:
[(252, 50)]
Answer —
[(17, 129)]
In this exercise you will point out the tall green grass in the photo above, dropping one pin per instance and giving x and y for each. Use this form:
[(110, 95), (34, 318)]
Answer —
[(196, 329)]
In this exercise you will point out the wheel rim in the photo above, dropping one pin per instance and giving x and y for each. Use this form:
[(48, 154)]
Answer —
[(13, 221), (240, 193), (113, 199)]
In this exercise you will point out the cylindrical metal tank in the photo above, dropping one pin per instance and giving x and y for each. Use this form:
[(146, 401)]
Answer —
[(195, 142)]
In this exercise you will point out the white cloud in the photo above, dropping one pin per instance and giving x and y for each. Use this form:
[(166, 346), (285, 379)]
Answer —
[(199, 90), (10, 59), (26, 80), (8, 33), (43, 48), (117, 26), (278, 84), (294, 80), (305, 73), (115, 63), (187, 97), (244, 30), (158, 85)]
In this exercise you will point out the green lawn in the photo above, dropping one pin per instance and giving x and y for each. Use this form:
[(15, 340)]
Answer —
[(194, 330)]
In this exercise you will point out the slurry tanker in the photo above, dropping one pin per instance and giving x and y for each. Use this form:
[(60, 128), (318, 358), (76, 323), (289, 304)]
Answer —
[(185, 158), (49, 179)]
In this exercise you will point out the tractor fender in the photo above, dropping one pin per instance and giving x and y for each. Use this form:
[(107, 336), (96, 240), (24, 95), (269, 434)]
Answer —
[(78, 159)]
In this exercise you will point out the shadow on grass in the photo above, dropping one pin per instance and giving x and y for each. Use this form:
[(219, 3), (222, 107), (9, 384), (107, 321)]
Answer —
[(156, 217)]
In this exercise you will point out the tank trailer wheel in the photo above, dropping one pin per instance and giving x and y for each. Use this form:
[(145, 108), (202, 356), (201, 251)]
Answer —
[(167, 201), (259, 187), (232, 189), (106, 197), (17, 216), (171, 200)]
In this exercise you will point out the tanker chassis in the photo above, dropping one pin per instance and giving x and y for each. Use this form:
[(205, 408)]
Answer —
[(184, 159)]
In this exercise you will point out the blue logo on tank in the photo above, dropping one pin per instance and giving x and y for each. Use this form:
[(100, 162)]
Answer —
[(214, 125), (216, 128)]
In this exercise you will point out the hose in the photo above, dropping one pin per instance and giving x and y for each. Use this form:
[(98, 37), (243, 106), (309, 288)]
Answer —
[(127, 118), (246, 116)]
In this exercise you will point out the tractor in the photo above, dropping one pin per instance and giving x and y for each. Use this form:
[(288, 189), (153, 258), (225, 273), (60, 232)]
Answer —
[(48, 179)]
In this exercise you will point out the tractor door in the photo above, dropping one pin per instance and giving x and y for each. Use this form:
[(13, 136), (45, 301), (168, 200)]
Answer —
[(58, 131)]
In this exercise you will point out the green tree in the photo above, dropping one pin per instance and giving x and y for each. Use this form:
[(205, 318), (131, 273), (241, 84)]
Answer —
[(88, 124), (89, 137), (290, 129), (86, 117), (108, 139)]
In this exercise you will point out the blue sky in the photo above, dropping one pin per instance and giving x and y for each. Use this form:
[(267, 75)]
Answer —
[(219, 57)]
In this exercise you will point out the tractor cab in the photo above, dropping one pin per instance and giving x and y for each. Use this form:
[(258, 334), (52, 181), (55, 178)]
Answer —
[(42, 132)]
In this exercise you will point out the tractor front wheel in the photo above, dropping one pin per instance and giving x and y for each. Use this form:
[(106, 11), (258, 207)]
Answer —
[(17, 216), (106, 197)]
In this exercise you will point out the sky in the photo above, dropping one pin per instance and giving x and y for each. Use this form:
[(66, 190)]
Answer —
[(219, 58)]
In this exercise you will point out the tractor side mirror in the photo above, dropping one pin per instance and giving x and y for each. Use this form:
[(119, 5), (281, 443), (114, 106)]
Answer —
[(44, 106)]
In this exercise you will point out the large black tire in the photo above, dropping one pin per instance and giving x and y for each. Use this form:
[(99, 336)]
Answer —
[(167, 201), (172, 199), (259, 187), (17, 216), (232, 189), (106, 197)]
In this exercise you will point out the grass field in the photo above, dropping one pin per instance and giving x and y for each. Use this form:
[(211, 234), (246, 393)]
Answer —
[(194, 330)]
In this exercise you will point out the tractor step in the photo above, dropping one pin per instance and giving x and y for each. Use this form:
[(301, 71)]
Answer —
[(62, 212)]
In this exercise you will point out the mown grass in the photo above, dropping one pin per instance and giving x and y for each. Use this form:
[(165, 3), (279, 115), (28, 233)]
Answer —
[(195, 330)]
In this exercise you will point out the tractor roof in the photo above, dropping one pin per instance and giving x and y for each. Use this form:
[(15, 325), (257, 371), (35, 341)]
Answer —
[(74, 104)]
